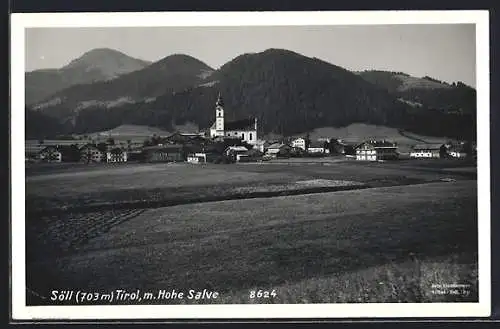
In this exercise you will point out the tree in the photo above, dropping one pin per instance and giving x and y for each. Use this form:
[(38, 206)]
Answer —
[(155, 140), (110, 141), (102, 147), (468, 149), (443, 151), (88, 155)]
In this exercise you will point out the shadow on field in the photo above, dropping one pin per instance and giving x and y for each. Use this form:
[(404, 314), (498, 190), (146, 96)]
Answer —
[(38, 206), (159, 198)]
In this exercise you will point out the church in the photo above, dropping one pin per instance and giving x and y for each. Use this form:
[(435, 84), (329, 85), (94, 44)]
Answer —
[(245, 129)]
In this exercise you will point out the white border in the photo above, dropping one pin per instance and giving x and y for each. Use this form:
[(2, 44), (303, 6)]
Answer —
[(20, 21)]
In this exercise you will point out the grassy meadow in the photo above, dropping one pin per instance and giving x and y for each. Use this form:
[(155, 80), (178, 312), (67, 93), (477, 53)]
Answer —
[(370, 232)]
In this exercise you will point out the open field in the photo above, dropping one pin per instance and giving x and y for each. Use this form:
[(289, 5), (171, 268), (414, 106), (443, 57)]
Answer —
[(359, 132), (364, 232)]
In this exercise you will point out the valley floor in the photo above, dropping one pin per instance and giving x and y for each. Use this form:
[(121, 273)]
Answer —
[(343, 232)]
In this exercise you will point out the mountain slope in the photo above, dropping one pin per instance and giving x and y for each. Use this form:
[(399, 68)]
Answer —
[(287, 92), (425, 92), (290, 93), (95, 65), (399, 81), (38, 125), (171, 74)]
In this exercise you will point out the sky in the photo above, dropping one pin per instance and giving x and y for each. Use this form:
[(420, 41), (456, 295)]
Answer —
[(443, 51)]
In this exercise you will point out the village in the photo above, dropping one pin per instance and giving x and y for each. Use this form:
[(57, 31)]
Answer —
[(232, 142)]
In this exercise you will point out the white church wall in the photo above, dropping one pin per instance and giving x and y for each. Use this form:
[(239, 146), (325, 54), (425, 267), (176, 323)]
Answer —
[(249, 136)]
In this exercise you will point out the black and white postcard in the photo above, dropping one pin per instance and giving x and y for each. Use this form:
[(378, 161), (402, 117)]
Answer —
[(246, 165)]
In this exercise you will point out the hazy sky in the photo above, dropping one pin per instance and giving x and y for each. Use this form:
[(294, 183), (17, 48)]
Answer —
[(445, 52)]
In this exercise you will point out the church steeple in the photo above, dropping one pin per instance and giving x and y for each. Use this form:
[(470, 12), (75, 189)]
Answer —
[(219, 116), (220, 102)]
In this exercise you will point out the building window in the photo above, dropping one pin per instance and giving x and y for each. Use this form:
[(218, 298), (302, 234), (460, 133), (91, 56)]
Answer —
[(250, 138), (242, 135)]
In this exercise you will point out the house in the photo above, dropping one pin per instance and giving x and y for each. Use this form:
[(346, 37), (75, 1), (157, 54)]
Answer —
[(350, 150), (116, 155), (457, 151), (297, 152), (324, 139), (260, 145), (183, 138), (249, 156), (299, 143), (197, 158), (278, 150), (376, 150), (91, 153), (428, 151), (317, 147), (245, 129), (163, 153), (50, 154), (70, 153), (337, 146), (234, 150)]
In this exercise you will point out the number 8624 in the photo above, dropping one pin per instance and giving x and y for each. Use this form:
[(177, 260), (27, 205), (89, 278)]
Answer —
[(262, 294)]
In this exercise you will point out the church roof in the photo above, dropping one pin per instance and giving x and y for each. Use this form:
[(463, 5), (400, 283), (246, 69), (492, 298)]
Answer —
[(432, 146), (245, 124), (378, 144)]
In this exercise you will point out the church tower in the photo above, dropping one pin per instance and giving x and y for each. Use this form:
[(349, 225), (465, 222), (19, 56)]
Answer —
[(219, 116)]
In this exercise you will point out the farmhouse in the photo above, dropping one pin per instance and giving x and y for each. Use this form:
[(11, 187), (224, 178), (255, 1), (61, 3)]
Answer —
[(456, 151), (337, 146), (116, 155), (90, 153), (260, 145), (428, 151), (245, 129), (278, 150), (50, 154), (182, 138), (297, 152), (163, 153), (197, 157), (249, 156), (317, 147), (376, 150), (299, 143), (234, 150)]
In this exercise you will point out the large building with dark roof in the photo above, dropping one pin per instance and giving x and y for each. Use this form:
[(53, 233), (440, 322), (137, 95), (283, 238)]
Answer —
[(245, 129), (429, 151), (376, 150)]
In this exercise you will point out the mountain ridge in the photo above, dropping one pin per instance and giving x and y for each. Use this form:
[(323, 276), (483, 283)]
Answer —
[(286, 91), (170, 74), (95, 65)]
